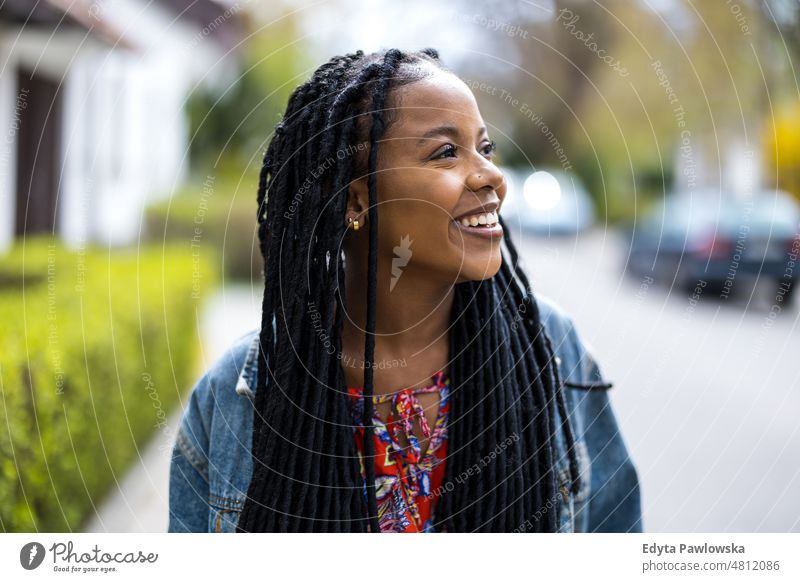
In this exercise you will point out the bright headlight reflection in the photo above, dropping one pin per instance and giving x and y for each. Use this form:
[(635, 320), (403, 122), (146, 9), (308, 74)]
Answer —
[(541, 190)]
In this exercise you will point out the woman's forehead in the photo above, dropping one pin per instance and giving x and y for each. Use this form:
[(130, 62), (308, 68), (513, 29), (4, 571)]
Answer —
[(442, 99)]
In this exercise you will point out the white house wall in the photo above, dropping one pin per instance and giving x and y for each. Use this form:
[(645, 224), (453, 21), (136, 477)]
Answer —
[(8, 150), (45, 53), (139, 127), (125, 133)]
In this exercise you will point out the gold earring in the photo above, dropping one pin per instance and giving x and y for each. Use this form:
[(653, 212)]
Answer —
[(355, 225)]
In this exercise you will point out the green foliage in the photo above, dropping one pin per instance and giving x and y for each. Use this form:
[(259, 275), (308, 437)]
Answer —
[(230, 132), (236, 124), (96, 349), (216, 217)]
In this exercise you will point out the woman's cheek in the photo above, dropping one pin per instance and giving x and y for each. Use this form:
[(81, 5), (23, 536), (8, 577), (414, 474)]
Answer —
[(450, 188)]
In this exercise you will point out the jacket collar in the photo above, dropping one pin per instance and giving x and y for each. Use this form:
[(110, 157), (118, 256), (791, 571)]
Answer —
[(248, 377)]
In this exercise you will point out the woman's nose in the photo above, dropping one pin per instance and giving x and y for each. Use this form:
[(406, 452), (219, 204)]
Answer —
[(485, 175)]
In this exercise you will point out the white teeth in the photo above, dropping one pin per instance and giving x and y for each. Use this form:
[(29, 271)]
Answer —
[(480, 219)]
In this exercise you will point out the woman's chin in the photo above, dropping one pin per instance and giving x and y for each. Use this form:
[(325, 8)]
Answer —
[(480, 271)]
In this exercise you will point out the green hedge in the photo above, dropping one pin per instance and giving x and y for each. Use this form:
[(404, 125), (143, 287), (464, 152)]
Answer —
[(95, 348), (219, 213)]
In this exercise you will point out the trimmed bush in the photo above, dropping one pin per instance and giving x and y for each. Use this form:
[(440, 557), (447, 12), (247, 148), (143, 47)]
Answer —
[(216, 213), (95, 349)]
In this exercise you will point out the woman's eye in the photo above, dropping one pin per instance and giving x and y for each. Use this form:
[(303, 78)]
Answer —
[(448, 149)]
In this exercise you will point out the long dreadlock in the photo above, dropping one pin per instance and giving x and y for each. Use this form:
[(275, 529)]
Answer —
[(505, 384)]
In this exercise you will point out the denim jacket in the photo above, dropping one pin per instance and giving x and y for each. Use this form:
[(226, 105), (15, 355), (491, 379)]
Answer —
[(211, 459)]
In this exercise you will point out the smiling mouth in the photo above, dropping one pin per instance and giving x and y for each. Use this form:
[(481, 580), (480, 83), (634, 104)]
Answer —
[(479, 219), (485, 231)]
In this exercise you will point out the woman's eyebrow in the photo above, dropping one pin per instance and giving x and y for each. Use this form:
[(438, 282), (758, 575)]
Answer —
[(446, 130)]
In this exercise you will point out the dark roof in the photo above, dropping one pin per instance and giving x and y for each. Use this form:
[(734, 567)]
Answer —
[(62, 14), (30, 12), (220, 22)]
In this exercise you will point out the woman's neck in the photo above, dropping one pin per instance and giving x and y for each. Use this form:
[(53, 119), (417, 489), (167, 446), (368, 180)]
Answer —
[(412, 322)]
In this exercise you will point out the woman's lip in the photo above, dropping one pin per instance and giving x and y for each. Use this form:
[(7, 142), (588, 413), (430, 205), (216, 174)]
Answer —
[(495, 231)]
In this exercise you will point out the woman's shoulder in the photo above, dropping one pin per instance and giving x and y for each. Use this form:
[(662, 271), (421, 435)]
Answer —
[(608, 499), (558, 325), (213, 439), (574, 355), (553, 316), (218, 390), (232, 369)]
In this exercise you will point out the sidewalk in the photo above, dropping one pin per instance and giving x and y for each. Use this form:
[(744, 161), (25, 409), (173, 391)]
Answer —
[(139, 504)]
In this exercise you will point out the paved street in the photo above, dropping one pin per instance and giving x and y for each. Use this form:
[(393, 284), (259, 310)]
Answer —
[(707, 392)]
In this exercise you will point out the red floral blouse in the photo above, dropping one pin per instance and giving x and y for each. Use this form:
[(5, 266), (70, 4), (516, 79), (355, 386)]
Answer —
[(407, 482)]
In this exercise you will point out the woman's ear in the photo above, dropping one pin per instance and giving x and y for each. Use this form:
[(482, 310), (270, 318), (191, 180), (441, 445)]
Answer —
[(357, 201)]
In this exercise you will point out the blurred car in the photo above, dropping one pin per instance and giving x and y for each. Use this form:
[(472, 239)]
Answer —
[(546, 202), (720, 240)]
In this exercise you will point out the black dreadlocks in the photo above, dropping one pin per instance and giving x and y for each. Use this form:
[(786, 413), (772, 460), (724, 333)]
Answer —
[(504, 381)]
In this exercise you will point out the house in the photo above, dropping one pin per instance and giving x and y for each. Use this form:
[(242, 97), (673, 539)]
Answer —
[(93, 120)]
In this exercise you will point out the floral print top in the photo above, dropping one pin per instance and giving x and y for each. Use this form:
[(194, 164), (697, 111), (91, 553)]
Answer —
[(407, 481)]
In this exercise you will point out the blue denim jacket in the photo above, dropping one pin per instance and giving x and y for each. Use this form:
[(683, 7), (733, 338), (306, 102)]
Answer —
[(211, 459)]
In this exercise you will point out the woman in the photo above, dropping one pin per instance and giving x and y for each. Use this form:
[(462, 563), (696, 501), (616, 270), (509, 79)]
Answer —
[(404, 377)]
